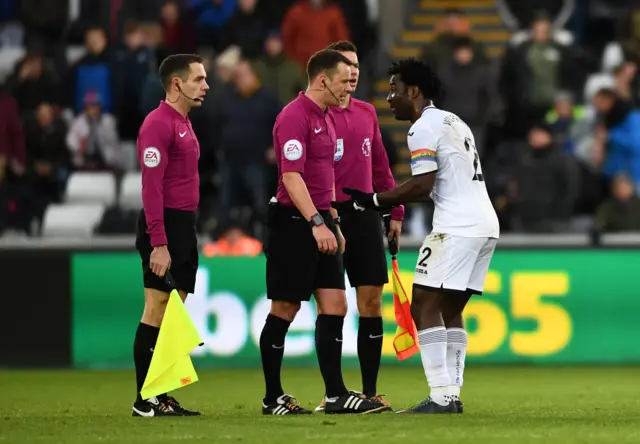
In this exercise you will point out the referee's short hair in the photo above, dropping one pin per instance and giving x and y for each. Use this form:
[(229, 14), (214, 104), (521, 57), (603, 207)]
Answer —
[(343, 46), (176, 65), (325, 61)]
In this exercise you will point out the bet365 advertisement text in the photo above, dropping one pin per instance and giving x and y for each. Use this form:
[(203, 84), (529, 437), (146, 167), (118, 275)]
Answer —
[(555, 307)]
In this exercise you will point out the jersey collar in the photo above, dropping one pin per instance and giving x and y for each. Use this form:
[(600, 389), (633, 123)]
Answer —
[(171, 111), (430, 105), (311, 105)]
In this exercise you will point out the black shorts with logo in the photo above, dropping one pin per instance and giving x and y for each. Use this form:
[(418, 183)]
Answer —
[(295, 266), (365, 258), (182, 242)]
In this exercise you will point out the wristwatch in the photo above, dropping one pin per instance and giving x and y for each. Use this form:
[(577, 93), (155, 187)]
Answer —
[(316, 220), (336, 220)]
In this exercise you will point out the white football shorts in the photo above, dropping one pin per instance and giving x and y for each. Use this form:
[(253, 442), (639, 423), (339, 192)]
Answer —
[(454, 262)]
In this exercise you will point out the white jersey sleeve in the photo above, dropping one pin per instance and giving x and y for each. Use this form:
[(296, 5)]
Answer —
[(423, 144)]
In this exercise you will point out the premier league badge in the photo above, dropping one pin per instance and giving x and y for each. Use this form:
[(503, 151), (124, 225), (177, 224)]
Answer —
[(366, 147)]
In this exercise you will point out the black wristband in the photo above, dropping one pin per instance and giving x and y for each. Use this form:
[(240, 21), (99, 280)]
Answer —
[(336, 220)]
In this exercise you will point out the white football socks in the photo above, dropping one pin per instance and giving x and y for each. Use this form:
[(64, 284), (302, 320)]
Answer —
[(456, 352), (433, 349)]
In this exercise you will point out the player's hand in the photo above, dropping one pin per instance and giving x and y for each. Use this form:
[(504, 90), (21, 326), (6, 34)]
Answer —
[(326, 240), (395, 227), (160, 260), (360, 199), (342, 242)]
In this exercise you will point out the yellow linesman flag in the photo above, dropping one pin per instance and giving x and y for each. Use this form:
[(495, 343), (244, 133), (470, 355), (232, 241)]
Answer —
[(405, 341), (171, 366)]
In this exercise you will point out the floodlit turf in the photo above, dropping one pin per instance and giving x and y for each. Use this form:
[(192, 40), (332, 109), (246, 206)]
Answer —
[(503, 405)]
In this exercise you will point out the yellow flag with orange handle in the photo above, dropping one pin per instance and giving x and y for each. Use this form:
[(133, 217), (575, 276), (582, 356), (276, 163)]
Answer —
[(405, 342)]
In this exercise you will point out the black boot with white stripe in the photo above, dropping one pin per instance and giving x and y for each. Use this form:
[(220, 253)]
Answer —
[(352, 402), (284, 405)]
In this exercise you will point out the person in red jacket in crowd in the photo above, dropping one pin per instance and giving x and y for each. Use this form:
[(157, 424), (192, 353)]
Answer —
[(311, 25)]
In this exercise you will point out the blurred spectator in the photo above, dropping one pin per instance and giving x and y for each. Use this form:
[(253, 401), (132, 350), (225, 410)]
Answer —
[(274, 11), (203, 122), (47, 158), (630, 43), (448, 31), (471, 91), (234, 241), (626, 82), (619, 137), (31, 83), (245, 153), (621, 212), (544, 186), (152, 90), (138, 10), (532, 74), (280, 75), (93, 138), (178, 30), (211, 16), (133, 64), (311, 25), (564, 121), (247, 29), (226, 64), (93, 72), (93, 13), (362, 26), (12, 156), (519, 13), (45, 23)]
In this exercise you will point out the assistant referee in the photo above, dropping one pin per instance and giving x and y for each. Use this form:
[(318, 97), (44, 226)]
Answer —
[(304, 244), (168, 151)]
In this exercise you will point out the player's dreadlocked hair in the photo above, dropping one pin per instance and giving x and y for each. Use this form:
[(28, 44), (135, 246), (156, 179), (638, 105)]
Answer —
[(415, 72)]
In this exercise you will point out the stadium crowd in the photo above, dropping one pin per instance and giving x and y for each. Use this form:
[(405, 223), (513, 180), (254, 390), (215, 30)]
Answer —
[(556, 119)]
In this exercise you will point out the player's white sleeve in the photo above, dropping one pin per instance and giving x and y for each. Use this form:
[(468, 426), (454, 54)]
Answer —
[(423, 146)]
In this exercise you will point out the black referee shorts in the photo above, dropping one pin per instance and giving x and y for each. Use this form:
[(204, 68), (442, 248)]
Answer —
[(295, 266), (365, 258), (180, 228)]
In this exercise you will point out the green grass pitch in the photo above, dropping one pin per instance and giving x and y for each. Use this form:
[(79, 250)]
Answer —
[(502, 405)]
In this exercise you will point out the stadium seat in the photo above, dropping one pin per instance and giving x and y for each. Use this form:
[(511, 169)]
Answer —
[(72, 220), (91, 187), (129, 153), (594, 83), (131, 192)]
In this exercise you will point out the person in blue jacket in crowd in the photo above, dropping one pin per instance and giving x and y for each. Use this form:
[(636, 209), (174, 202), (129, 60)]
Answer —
[(621, 130), (210, 16)]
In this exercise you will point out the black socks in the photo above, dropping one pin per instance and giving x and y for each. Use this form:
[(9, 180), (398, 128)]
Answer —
[(329, 351), (369, 352), (143, 345), (272, 351)]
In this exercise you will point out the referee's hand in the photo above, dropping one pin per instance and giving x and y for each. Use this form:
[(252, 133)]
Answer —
[(327, 242), (160, 261)]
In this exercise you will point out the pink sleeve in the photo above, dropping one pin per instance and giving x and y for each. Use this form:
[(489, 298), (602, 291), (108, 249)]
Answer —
[(153, 154), (290, 138), (382, 175)]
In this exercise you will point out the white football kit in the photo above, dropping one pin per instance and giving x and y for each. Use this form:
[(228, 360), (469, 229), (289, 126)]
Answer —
[(457, 253)]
